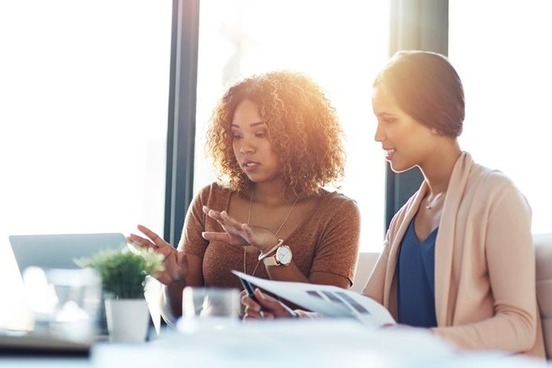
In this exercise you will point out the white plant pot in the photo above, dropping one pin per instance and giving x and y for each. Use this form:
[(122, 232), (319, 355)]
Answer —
[(127, 320)]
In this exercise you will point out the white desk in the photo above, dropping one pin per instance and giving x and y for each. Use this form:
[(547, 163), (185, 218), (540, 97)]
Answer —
[(320, 343), (306, 343)]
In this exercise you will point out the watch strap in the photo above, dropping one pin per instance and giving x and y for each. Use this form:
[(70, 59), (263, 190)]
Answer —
[(271, 261), (272, 250)]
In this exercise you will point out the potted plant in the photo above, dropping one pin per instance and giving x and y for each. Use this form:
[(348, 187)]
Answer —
[(123, 273)]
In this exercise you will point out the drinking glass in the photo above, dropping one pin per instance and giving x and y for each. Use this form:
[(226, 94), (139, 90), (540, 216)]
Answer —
[(205, 308), (78, 293), (65, 302)]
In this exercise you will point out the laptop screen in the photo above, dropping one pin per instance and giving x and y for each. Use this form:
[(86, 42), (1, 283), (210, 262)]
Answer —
[(60, 250)]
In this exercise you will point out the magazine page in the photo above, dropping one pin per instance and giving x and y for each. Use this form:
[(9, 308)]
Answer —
[(327, 300)]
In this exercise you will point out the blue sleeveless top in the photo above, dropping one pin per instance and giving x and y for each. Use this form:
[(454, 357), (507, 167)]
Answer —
[(416, 280)]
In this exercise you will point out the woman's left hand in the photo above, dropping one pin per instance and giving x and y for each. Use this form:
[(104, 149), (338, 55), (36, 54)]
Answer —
[(238, 233), (175, 262), (265, 307)]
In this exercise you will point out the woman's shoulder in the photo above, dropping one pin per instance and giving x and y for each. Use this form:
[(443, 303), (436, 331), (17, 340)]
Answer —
[(479, 176), (215, 187), (492, 187), (485, 178), (213, 192), (337, 199)]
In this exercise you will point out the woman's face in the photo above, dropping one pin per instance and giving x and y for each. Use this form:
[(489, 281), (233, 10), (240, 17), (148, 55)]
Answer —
[(251, 144), (406, 141)]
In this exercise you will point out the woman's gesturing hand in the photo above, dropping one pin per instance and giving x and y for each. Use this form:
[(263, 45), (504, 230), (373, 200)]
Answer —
[(176, 267), (239, 233)]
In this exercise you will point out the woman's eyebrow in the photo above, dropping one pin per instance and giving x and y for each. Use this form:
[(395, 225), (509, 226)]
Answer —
[(236, 125)]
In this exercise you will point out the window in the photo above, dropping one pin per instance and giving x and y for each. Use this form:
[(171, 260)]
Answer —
[(499, 49), (340, 44), (83, 127)]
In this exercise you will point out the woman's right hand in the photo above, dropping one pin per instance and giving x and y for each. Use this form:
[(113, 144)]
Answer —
[(238, 233), (176, 267), (265, 307)]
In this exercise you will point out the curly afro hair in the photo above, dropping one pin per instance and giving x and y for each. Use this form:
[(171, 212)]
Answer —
[(303, 129)]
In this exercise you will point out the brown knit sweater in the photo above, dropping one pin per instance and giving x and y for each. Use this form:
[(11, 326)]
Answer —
[(327, 240)]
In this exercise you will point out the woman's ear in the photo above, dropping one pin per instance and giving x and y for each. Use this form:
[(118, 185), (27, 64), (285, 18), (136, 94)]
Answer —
[(435, 131)]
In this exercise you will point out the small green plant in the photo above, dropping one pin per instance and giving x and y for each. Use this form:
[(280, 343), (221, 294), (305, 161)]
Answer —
[(124, 272)]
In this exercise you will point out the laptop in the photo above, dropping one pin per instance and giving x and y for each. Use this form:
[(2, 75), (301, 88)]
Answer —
[(57, 251), (49, 251), (60, 250)]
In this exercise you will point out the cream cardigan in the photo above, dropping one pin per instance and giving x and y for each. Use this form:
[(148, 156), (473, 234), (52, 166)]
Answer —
[(484, 263)]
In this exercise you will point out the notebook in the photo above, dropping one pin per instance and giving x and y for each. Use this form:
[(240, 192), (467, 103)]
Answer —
[(60, 250)]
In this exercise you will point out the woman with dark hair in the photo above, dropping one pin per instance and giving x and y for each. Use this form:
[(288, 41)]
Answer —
[(458, 256), (276, 142)]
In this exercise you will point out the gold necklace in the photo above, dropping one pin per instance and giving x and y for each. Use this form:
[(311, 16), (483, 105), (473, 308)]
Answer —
[(430, 204), (276, 233)]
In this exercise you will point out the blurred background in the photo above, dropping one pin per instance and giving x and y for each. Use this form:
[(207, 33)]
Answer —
[(92, 98)]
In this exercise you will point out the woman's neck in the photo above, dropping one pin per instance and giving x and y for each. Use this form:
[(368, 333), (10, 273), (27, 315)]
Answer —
[(438, 170), (272, 194)]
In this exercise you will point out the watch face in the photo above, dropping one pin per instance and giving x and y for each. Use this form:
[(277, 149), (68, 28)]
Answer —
[(283, 254)]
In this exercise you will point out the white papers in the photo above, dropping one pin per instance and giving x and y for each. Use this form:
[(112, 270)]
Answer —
[(327, 300)]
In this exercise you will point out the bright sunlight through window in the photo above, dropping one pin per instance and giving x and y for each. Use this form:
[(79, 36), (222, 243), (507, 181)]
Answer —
[(499, 48), (341, 44)]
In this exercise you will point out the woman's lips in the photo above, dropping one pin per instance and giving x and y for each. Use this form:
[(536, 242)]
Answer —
[(250, 166), (389, 154)]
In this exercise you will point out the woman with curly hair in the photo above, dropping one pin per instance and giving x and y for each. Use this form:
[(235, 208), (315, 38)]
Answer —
[(276, 142)]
